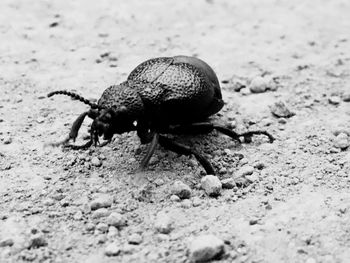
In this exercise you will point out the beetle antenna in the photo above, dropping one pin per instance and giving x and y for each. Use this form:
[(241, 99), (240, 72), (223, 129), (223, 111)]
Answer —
[(75, 96)]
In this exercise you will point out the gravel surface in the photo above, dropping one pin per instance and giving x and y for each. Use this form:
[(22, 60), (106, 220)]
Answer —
[(283, 67)]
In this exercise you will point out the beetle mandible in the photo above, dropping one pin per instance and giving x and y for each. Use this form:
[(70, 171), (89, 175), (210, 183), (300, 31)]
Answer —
[(166, 95)]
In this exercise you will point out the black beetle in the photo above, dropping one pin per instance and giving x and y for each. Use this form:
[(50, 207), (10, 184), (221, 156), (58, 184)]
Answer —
[(167, 95)]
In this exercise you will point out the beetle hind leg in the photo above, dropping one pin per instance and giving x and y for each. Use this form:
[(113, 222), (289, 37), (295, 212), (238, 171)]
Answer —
[(206, 127), (150, 151), (185, 150), (246, 135)]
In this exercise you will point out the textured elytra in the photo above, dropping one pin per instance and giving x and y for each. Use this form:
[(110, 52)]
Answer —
[(183, 88), (151, 69), (167, 90)]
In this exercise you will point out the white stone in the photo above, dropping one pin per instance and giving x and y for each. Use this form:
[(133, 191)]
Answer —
[(163, 223), (102, 201), (112, 250), (211, 185), (181, 189), (342, 141), (205, 248), (116, 219)]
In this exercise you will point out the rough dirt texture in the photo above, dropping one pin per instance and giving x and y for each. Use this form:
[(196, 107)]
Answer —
[(290, 201)]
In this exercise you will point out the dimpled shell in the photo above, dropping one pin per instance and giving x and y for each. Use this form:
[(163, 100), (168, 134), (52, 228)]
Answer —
[(184, 89)]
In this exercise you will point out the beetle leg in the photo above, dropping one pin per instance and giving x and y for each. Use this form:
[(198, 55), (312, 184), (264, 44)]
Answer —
[(73, 131), (150, 151), (185, 150), (247, 135), (144, 132), (79, 147), (73, 134), (105, 143), (206, 127)]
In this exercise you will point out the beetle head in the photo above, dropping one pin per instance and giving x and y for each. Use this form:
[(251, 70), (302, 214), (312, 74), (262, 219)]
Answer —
[(109, 122)]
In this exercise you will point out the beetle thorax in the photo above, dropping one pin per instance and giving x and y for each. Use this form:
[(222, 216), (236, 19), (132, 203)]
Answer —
[(122, 106)]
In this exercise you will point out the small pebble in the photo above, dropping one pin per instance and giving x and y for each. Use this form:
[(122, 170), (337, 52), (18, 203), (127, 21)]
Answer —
[(101, 239), (78, 216), (259, 165), (228, 152), (159, 182), (40, 120), (116, 219), (54, 24), (211, 185), (48, 202), (102, 227), (244, 160), (112, 250), (254, 177), (7, 140), (228, 183), (342, 141), (113, 230), (245, 170), (205, 248), (311, 260), (186, 204), (90, 227), (242, 182), (135, 239), (346, 159), (99, 213), (340, 129), (175, 198), (223, 170), (259, 84), (154, 160), (96, 161), (37, 240), (266, 122), (196, 201), (6, 242), (346, 97), (237, 85), (162, 237), (102, 201), (343, 208), (163, 223), (253, 221), (334, 100), (282, 121), (279, 109), (128, 249), (245, 91), (181, 189)]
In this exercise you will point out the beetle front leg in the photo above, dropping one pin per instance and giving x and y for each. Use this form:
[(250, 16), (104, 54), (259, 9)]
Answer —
[(73, 132), (185, 150), (150, 151)]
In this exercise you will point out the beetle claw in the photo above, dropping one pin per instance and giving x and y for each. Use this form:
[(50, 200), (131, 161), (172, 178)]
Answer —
[(78, 147), (59, 143)]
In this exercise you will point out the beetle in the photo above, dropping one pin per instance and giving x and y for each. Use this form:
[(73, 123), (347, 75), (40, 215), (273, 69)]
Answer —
[(165, 95)]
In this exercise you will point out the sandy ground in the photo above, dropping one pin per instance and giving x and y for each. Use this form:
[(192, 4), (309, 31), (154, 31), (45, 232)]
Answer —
[(297, 205)]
